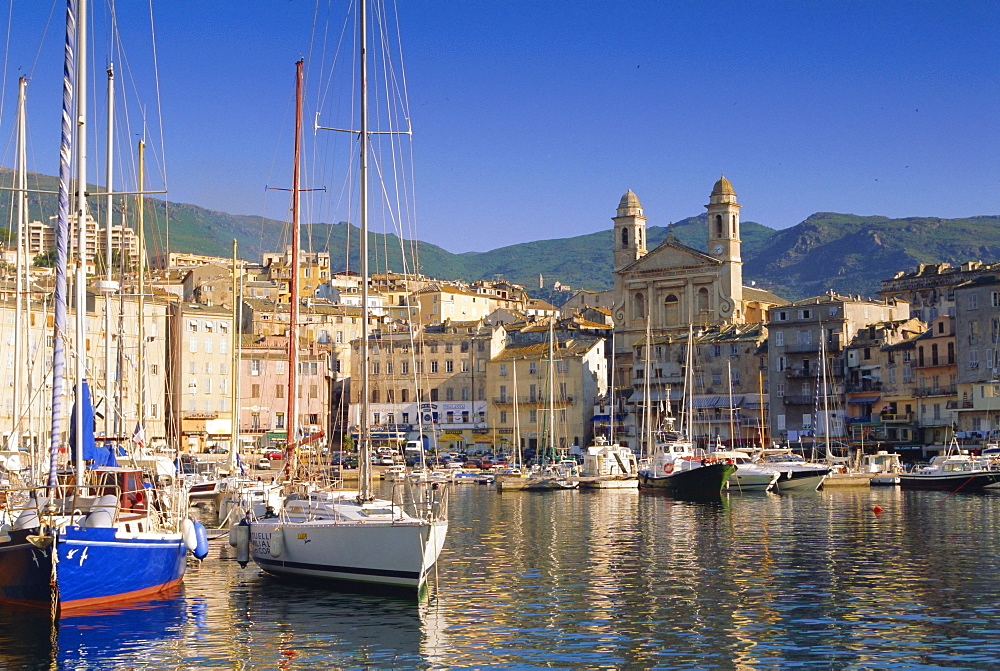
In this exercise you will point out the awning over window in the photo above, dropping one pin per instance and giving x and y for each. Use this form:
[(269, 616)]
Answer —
[(864, 399)]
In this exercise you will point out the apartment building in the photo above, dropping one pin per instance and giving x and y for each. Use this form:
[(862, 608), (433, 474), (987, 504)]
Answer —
[(977, 335), (806, 340), (543, 395), (936, 388)]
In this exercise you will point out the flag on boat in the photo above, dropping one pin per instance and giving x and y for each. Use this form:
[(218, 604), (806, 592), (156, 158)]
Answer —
[(139, 435)]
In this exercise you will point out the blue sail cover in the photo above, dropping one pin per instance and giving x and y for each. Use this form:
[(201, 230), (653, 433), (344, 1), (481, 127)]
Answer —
[(91, 453)]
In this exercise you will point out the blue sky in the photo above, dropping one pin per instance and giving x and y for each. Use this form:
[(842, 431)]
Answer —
[(531, 119)]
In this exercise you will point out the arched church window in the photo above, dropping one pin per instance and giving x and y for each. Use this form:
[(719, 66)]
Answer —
[(718, 225), (733, 234), (624, 238), (639, 306), (671, 310), (702, 300)]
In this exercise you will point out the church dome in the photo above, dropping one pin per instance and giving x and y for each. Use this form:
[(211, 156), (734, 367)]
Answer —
[(629, 200), (723, 188)]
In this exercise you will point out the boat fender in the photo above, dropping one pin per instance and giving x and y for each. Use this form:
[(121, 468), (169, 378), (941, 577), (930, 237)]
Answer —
[(187, 532), (668, 468), (277, 542), (102, 512), (201, 546), (243, 543), (232, 534)]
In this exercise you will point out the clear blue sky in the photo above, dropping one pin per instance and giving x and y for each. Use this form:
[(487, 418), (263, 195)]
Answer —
[(531, 118)]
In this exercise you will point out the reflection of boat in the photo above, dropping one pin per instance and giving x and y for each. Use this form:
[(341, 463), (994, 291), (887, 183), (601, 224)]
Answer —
[(957, 472), (794, 472), (347, 536)]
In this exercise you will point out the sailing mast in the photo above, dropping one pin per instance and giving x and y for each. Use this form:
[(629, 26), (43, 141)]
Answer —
[(235, 366), (62, 244), (108, 287), (22, 224), (291, 416), (80, 309)]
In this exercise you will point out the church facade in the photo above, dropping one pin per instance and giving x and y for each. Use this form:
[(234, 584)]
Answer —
[(674, 286)]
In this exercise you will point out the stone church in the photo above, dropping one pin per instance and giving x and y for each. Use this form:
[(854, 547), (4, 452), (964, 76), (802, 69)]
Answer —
[(674, 285)]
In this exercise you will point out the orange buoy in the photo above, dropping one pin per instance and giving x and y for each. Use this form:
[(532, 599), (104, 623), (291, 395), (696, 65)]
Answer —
[(877, 510)]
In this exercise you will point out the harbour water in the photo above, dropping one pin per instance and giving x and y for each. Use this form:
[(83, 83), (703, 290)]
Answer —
[(597, 579)]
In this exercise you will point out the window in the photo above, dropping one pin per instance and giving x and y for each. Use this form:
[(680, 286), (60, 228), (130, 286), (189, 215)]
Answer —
[(781, 422), (562, 366), (314, 391), (779, 390), (716, 378), (805, 314), (279, 420), (465, 394), (734, 349), (434, 366), (780, 316), (973, 302), (973, 358), (255, 366), (716, 350), (208, 385), (532, 393), (533, 416), (375, 367), (434, 394), (996, 299), (404, 396), (671, 310), (375, 396), (449, 394), (192, 344), (404, 367), (193, 325), (465, 366), (973, 331), (503, 370), (279, 391), (779, 364), (503, 393), (449, 366)]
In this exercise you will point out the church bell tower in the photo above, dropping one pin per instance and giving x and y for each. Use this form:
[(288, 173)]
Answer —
[(724, 244), (630, 231)]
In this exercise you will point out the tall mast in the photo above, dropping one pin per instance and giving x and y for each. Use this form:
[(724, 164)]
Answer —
[(552, 391), (80, 309), (108, 287), (234, 394), (364, 485), (732, 438), (62, 243), (826, 408), (291, 416), (142, 292), (22, 224)]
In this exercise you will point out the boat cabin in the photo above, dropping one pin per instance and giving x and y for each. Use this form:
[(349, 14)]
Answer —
[(125, 483)]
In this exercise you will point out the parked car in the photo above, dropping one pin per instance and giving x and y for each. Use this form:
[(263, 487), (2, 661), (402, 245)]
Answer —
[(264, 463)]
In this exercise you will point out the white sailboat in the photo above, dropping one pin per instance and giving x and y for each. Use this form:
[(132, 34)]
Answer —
[(350, 537)]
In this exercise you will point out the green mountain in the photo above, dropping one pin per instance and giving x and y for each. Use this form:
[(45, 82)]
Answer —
[(847, 253)]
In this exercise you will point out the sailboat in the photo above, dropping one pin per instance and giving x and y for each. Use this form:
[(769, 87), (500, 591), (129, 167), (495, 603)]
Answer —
[(606, 464), (675, 466), (563, 474), (97, 533), (349, 537)]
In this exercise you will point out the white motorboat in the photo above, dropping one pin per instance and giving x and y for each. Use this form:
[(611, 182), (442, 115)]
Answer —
[(794, 472), (749, 477), (609, 466)]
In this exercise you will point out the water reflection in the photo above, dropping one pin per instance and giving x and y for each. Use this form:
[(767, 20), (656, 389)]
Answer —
[(597, 579)]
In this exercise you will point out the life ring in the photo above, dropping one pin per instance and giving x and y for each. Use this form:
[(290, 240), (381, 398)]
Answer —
[(668, 468)]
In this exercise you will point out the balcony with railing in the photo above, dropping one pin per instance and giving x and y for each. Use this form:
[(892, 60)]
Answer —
[(532, 401), (944, 390), (799, 399), (896, 417)]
